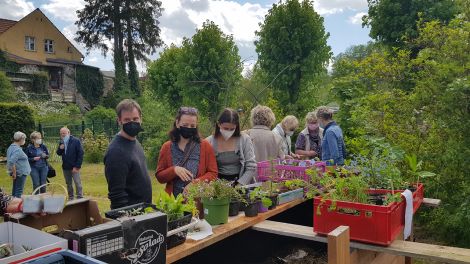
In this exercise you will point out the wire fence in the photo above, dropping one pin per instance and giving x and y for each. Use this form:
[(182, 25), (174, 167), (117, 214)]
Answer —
[(51, 135)]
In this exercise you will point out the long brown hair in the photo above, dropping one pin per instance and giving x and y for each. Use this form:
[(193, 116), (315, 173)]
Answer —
[(175, 133)]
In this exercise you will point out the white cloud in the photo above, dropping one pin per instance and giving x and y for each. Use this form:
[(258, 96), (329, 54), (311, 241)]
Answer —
[(15, 9), (65, 10), (357, 18), (328, 7)]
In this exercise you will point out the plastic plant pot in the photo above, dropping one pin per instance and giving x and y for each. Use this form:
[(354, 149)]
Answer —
[(32, 204), (234, 208), (274, 202), (216, 210), (262, 208), (251, 209)]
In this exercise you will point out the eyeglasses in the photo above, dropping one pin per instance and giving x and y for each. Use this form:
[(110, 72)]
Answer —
[(187, 110)]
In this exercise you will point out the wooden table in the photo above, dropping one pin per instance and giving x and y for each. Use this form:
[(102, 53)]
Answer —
[(235, 225)]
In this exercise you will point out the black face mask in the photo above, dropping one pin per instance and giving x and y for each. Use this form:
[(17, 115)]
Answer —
[(132, 128), (187, 132)]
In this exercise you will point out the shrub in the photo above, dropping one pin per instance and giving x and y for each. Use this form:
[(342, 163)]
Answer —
[(7, 91), (14, 117), (40, 81), (101, 113), (94, 146)]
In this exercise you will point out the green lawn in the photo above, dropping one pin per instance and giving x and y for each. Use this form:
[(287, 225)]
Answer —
[(93, 181)]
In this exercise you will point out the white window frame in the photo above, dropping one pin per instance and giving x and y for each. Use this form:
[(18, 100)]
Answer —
[(49, 46), (28, 42)]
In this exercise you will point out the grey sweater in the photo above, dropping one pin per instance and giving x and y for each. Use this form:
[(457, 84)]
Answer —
[(247, 158)]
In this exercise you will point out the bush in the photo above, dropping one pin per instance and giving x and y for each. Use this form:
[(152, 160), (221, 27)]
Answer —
[(90, 83), (94, 146), (7, 91), (14, 117), (40, 81), (101, 113)]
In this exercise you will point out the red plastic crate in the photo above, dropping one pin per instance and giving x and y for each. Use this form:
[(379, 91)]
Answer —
[(418, 195), (367, 223), (287, 171)]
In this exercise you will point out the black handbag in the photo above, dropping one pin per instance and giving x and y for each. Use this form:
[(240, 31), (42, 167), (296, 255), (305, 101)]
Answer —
[(51, 171)]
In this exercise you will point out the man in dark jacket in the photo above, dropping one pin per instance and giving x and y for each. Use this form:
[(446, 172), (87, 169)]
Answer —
[(71, 151), (124, 163)]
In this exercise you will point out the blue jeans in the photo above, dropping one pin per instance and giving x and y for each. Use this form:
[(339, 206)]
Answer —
[(18, 185), (39, 177)]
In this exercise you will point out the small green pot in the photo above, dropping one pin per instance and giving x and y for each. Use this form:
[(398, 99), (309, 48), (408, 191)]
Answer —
[(216, 210)]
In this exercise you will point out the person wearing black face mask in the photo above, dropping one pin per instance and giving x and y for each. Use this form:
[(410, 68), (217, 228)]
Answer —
[(186, 157), (125, 164)]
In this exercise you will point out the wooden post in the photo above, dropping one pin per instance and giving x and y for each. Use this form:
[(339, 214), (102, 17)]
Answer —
[(338, 246)]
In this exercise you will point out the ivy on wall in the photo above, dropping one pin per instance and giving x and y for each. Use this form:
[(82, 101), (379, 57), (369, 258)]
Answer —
[(90, 83), (6, 65)]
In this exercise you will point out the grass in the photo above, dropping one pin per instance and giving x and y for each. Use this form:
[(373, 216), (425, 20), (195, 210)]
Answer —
[(93, 181)]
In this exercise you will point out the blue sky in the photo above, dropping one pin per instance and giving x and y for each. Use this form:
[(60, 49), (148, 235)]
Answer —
[(181, 18)]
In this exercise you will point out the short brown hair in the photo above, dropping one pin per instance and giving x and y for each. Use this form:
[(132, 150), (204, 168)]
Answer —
[(262, 116), (127, 105)]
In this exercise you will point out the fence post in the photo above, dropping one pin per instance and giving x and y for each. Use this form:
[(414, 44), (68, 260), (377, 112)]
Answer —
[(93, 126), (338, 246), (40, 129), (83, 127)]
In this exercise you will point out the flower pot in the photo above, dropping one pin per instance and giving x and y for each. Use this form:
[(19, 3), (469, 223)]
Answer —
[(234, 208), (261, 208), (252, 208), (54, 204), (32, 204), (216, 210), (274, 202)]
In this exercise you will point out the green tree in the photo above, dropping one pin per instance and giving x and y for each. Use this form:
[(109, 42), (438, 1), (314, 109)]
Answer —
[(392, 22), (133, 28), (292, 48), (7, 91), (211, 69), (163, 76)]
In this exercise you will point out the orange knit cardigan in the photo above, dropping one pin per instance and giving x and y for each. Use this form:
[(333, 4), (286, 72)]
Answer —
[(166, 171)]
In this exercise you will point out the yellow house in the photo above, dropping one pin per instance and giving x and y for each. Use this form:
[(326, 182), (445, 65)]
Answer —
[(36, 44)]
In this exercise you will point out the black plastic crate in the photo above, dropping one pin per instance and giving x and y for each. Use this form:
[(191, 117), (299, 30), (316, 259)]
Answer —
[(172, 241), (178, 238)]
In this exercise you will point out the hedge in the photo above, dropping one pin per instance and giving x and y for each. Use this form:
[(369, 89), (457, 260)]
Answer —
[(14, 117)]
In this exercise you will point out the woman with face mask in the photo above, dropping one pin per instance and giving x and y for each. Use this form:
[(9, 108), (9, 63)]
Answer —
[(286, 130), (308, 142), (37, 155), (17, 163), (233, 150), (185, 157)]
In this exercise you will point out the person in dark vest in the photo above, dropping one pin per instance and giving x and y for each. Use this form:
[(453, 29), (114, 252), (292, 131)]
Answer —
[(70, 148), (125, 165)]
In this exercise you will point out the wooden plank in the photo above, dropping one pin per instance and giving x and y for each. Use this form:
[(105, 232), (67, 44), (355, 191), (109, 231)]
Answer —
[(431, 202), (398, 247), (338, 246), (235, 225)]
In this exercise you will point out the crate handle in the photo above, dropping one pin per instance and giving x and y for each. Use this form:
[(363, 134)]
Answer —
[(194, 221)]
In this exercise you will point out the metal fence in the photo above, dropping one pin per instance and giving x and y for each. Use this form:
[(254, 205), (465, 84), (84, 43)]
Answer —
[(52, 137)]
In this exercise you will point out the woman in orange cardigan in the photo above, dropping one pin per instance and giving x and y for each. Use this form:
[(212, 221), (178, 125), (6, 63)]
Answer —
[(185, 157)]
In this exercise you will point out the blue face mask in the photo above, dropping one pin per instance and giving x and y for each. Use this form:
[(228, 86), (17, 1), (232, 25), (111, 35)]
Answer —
[(66, 138)]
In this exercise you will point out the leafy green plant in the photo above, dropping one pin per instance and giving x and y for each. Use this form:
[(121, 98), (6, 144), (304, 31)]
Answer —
[(173, 207), (294, 184), (259, 194), (415, 168), (94, 146)]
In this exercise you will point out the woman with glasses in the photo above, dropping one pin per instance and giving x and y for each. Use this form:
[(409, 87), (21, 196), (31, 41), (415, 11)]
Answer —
[(185, 157), (233, 150), (285, 130)]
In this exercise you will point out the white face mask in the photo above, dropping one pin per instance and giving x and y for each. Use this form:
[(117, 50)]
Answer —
[(227, 134), (38, 141)]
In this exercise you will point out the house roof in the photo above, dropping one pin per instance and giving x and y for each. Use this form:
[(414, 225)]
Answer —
[(5, 24), (109, 74), (62, 61)]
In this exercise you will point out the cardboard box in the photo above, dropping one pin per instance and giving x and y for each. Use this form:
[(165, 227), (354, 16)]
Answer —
[(77, 214), (135, 240), (20, 235)]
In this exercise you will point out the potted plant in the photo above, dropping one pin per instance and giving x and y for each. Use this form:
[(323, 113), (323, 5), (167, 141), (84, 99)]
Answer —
[(291, 190), (236, 200), (179, 214), (192, 193), (258, 194), (272, 189), (215, 198)]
